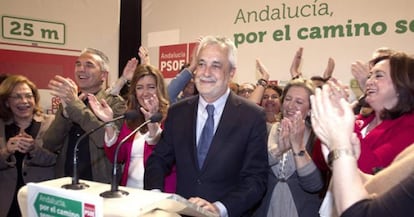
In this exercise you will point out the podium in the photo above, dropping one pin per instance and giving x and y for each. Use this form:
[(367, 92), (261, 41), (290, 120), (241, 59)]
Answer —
[(48, 198)]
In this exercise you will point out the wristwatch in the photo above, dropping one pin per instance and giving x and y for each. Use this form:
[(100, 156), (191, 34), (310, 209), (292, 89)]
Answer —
[(337, 153), (262, 82), (301, 153)]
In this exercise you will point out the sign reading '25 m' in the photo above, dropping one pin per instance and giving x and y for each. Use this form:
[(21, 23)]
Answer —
[(33, 30)]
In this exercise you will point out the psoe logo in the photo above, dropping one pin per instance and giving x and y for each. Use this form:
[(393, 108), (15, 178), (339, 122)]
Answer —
[(89, 210)]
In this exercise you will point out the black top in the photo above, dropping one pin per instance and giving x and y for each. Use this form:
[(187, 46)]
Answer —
[(399, 201), (12, 130), (84, 156)]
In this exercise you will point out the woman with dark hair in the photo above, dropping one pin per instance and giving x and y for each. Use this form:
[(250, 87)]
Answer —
[(351, 189), (386, 132), (22, 156), (148, 96), (388, 129), (267, 95), (271, 104)]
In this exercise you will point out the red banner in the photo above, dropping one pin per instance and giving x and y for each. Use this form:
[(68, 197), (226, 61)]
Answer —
[(172, 58), (38, 67)]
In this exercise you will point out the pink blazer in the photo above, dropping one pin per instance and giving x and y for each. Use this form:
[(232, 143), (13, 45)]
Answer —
[(384, 142), (124, 156)]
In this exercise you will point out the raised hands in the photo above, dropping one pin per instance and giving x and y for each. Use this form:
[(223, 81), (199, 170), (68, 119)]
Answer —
[(294, 68), (327, 74), (262, 70), (143, 55), (129, 69), (360, 71), (297, 59)]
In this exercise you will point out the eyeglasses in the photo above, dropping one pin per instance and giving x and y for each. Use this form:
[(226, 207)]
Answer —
[(243, 91), (266, 97), (27, 96)]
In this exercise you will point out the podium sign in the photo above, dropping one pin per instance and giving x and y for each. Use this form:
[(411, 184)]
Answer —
[(48, 198), (45, 201)]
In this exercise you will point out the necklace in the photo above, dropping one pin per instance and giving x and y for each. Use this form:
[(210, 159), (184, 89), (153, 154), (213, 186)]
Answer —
[(286, 166), (282, 164)]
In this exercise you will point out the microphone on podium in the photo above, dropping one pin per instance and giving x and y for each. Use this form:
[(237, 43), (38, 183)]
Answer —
[(115, 192), (75, 185)]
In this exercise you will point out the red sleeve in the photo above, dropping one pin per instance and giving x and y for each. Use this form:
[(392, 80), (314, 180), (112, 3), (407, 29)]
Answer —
[(123, 153), (317, 157)]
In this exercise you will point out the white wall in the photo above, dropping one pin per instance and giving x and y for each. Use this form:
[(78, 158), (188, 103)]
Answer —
[(182, 21), (88, 23)]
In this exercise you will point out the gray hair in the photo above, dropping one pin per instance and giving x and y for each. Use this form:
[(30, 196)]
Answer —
[(224, 42), (104, 60)]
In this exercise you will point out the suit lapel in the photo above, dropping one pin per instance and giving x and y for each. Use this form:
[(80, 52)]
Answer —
[(191, 114)]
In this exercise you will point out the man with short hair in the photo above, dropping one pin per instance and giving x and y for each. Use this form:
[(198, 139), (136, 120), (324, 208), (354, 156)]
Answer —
[(217, 140), (74, 117)]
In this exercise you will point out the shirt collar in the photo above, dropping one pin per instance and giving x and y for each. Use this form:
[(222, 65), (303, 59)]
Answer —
[(218, 104)]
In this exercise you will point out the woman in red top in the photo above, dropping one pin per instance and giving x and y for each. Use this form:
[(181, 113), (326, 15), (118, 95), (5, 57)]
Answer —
[(389, 128), (148, 96)]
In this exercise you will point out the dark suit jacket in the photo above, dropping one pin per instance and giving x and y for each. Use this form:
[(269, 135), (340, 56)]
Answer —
[(235, 169)]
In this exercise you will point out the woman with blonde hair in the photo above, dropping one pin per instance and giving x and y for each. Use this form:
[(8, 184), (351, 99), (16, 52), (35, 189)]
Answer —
[(295, 181)]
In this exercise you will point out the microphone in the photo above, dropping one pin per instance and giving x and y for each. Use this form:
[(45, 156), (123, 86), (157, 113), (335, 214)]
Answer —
[(115, 192), (75, 185)]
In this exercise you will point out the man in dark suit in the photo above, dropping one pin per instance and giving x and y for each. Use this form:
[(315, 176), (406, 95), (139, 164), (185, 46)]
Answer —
[(229, 177)]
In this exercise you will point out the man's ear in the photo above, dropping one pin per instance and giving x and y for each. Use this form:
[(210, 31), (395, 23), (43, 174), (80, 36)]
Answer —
[(104, 78), (232, 73), (104, 75)]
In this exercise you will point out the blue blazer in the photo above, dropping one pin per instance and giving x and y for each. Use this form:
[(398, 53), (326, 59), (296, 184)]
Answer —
[(235, 169)]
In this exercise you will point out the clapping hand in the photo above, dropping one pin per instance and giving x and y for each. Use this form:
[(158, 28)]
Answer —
[(150, 106), (64, 88), (22, 143), (297, 131), (101, 109), (332, 117)]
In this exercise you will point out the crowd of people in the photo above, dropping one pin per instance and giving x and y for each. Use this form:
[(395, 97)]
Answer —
[(253, 149)]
